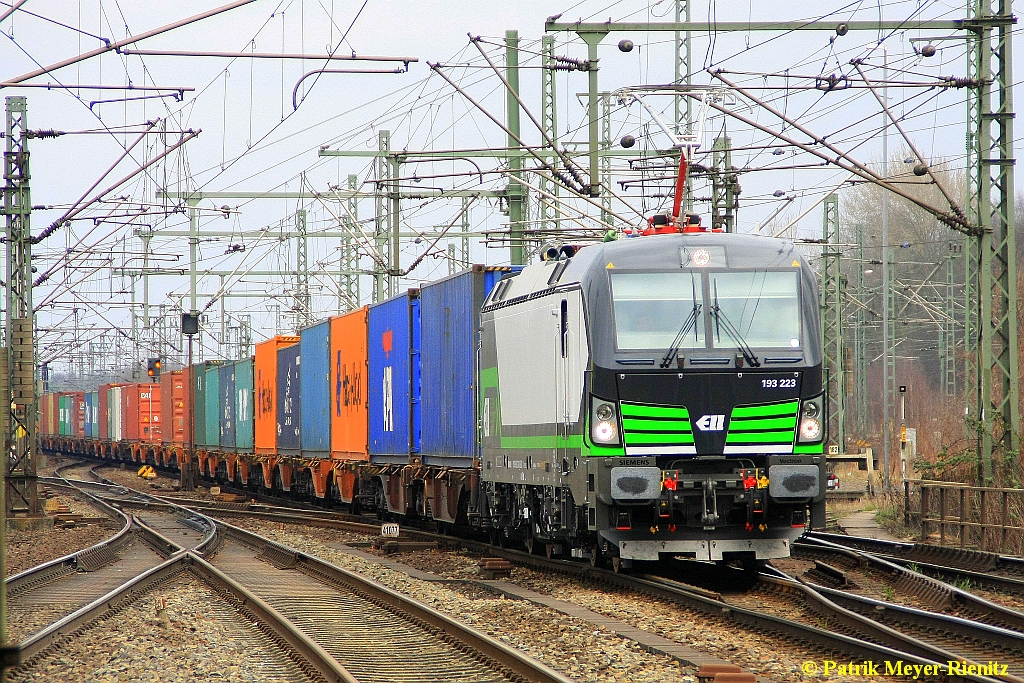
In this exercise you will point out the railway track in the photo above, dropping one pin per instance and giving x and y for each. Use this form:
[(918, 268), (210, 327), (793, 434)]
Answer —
[(872, 630), (862, 636), (325, 619), (45, 594), (935, 636), (953, 565)]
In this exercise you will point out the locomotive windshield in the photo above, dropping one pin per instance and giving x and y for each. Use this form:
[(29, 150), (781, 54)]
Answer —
[(763, 306), (652, 310)]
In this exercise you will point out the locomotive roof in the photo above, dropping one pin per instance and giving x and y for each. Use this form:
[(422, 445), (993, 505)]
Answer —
[(658, 252), (665, 252)]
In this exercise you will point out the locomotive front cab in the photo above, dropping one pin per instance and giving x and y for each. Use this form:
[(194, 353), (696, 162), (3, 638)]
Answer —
[(705, 407)]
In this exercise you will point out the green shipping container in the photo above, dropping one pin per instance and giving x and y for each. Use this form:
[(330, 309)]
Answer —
[(199, 376), (210, 436), (244, 411), (66, 403)]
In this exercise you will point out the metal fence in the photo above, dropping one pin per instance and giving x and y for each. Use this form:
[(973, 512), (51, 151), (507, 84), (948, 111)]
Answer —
[(965, 516)]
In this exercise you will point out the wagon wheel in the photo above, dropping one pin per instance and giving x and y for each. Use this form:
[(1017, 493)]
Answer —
[(595, 556), (617, 564)]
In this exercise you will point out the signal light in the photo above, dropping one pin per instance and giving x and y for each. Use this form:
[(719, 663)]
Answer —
[(153, 366)]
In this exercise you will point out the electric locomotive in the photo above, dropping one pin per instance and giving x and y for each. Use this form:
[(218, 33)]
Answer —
[(654, 396)]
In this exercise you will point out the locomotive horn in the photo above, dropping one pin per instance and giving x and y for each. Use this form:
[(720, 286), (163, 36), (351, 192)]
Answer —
[(550, 253)]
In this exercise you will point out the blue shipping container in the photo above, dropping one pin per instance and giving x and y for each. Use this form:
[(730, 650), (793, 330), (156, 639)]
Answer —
[(450, 311), (227, 407), (89, 407), (243, 406), (210, 437), (315, 384), (394, 378), (289, 406)]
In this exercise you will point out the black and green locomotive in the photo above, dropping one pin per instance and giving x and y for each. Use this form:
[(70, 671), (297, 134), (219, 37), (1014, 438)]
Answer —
[(655, 396)]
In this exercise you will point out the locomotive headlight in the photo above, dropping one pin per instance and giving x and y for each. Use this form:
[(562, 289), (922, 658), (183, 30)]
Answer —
[(811, 413), (810, 429), (604, 427), (604, 432)]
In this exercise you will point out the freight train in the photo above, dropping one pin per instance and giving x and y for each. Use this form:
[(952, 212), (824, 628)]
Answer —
[(625, 401)]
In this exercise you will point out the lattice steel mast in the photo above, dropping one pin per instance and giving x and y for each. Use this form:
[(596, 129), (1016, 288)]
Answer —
[(20, 493)]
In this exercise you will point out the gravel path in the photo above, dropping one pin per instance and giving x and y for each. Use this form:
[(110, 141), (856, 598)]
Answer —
[(205, 640), (569, 645)]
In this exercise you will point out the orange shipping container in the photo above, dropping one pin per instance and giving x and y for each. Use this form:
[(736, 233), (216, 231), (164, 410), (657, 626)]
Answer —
[(173, 407), (140, 412), (265, 390), (349, 424)]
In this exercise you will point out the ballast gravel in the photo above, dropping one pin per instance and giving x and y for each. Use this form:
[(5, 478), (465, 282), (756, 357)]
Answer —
[(203, 639)]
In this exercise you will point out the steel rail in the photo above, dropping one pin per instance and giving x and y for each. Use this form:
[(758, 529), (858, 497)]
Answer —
[(875, 630), (995, 613), (928, 622), (308, 655), (50, 637), (311, 657), (127, 592)]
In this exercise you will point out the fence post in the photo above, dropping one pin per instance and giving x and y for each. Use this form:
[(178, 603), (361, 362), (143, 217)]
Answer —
[(1006, 513), (942, 515), (925, 495), (983, 541), (906, 503), (963, 518)]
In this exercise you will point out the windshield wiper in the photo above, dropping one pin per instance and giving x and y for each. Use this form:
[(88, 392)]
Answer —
[(691, 321), (722, 321), (673, 350)]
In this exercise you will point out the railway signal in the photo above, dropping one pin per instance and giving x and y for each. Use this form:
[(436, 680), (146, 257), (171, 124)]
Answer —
[(153, 366)]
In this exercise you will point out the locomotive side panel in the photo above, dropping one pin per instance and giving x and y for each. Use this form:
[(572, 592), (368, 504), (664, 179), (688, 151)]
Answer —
[(533, 364)]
